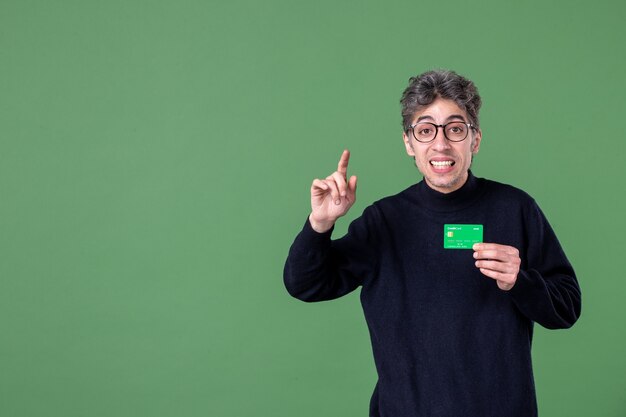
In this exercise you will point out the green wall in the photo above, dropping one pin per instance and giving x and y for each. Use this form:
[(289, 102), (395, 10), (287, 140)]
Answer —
[(155, 162)]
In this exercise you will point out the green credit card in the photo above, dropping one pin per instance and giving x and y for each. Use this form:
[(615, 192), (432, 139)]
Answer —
[(461, 236)]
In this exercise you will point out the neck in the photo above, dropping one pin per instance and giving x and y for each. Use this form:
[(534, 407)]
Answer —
[(462, 196)]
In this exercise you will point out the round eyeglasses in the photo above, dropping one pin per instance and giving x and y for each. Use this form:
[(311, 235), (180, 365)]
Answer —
[(427, 132)]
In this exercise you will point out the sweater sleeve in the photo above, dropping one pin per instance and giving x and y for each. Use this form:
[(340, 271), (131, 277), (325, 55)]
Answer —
[(319, 269), (546, 290)]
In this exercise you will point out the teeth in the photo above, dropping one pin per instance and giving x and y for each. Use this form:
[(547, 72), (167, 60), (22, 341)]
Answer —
[(441, 163)]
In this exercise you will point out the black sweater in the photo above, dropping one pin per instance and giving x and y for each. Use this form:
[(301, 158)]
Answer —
[(446, 340)]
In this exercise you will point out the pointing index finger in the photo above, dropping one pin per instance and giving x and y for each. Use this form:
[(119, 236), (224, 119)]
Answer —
[(342, 167)]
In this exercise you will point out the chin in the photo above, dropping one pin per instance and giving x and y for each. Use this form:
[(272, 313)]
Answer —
[(446, 183)]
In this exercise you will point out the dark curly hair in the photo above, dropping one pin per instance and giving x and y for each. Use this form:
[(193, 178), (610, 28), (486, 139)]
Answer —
[(427, 87)]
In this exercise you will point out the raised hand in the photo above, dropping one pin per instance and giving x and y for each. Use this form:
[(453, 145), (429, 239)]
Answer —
[(332, 197)]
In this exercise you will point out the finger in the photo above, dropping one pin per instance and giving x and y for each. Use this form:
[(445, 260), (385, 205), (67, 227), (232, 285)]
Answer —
[(352, 185), (498, 276), (491, 254), (319, 186), (341, 183), (502, 278), (334, 190), (495, 246), (504, 256), (496, 266), (342, 167)]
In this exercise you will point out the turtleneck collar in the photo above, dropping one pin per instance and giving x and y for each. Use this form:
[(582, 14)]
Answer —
[(448, 202)]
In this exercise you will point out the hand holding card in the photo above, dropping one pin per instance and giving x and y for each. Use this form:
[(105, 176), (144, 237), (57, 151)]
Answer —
[(499, 262)]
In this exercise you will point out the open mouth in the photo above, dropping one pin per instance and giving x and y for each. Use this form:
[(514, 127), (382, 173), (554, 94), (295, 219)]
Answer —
[(442, 164)]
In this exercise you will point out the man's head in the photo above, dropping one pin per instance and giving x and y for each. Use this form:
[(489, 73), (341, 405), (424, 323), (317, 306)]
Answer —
[(441, 97), (425, 88)]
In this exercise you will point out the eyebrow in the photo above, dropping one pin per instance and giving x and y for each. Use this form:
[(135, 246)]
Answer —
[(451, 117)]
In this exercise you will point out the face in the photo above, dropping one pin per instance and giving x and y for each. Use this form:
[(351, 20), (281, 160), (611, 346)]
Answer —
[(443, 163)]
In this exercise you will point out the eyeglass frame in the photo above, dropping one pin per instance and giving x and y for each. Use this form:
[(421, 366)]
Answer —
[(443, 127)]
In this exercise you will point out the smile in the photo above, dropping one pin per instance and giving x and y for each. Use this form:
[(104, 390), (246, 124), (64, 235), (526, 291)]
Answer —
[(441, 164)]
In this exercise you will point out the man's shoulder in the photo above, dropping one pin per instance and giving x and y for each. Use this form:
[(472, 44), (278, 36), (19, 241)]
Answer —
[(506, 198), (498, 189)]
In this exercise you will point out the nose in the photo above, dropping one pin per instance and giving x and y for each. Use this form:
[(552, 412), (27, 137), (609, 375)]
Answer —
[(440, 142)]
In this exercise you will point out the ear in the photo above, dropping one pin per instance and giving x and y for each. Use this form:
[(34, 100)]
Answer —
[(408, 145), (478, 136)]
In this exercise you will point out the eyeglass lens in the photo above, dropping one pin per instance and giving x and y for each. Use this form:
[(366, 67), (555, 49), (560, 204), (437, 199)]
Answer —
[(454, 131)]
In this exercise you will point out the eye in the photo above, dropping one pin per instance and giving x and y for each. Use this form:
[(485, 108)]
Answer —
[(425, 131), (456, 129)]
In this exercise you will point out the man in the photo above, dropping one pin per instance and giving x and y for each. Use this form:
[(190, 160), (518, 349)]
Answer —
[(450, 312)]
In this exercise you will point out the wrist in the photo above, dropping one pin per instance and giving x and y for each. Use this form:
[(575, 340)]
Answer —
[(320, 226)]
